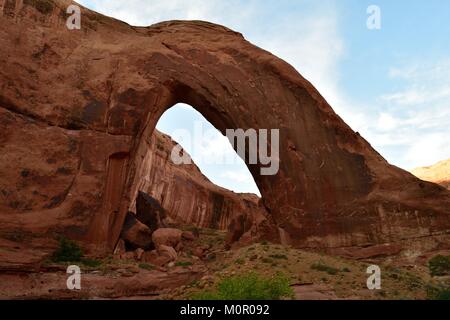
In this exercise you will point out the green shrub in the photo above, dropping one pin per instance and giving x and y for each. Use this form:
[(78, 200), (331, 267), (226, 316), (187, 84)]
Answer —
[(439, 265), (68, 251), (92, 263), (250, 286), (266, 260), (279, 256), (146, 266), (438, 293), (319, 266), (183, 263)]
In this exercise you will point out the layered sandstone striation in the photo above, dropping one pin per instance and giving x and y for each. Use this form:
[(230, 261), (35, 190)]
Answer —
[(77, 108), (437, 173)]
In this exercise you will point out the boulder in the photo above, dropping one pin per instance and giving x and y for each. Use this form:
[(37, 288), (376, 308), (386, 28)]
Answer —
[(167, 251), (167, 236), (154, 258), (188, 235), (138, 254), (149, 211), (136, 234)]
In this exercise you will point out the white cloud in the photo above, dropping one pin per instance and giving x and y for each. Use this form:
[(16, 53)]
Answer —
[(237, 176), (145, 12), (386, 122), (428, 149), (415, 119)]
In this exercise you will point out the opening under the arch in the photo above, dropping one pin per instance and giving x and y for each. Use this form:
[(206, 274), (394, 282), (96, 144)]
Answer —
[(209, 150)]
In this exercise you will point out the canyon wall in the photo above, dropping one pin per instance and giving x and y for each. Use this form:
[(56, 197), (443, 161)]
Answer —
[(437, 173)]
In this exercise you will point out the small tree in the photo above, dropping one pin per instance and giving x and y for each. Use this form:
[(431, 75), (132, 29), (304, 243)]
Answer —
[(439, 265), (68, 251), (250, 286)]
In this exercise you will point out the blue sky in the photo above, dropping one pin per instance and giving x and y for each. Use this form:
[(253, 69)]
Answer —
[(392, 85)]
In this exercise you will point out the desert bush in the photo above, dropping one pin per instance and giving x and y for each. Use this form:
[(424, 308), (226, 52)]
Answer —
[(439, 265), (438, 292), (250, 286), (146, 266), (92, 263), (279, 256), (183, 263), (67, 251), (319, 266)]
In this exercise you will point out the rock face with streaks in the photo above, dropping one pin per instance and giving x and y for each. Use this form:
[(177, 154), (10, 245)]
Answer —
[(186, 195), (77, 106)]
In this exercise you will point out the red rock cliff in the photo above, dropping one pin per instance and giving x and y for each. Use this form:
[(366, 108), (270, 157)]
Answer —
[(437, 173), (76, 107)]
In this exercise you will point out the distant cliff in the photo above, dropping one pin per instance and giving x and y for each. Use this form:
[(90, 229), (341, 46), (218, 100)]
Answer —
[(438, 173)]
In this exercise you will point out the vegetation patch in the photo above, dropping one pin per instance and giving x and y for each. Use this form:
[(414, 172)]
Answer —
[(319, 266), (267, 260), (438, 292), (439, 265), (279, 256), (69, 251), (183, 263), (146, 266), (250, 286)]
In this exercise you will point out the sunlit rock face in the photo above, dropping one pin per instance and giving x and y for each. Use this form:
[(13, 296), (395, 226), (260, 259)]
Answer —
[(437, 173), (77, 106)]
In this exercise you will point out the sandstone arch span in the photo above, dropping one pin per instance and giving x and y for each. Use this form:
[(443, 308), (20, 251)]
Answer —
[(82, 101)]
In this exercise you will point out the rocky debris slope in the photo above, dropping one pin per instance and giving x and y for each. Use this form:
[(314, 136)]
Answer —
[(437, 173), (202, 264), (77, 107), (147, 236), (162, 241)]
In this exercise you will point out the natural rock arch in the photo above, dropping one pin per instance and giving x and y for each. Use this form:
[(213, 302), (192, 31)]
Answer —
[(101, 89)]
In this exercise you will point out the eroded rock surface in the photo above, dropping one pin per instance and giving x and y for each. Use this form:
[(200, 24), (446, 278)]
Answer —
[(135, 233), (77, 108)]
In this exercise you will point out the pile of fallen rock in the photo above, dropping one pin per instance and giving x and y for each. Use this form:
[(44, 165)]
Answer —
[(146, 237)]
